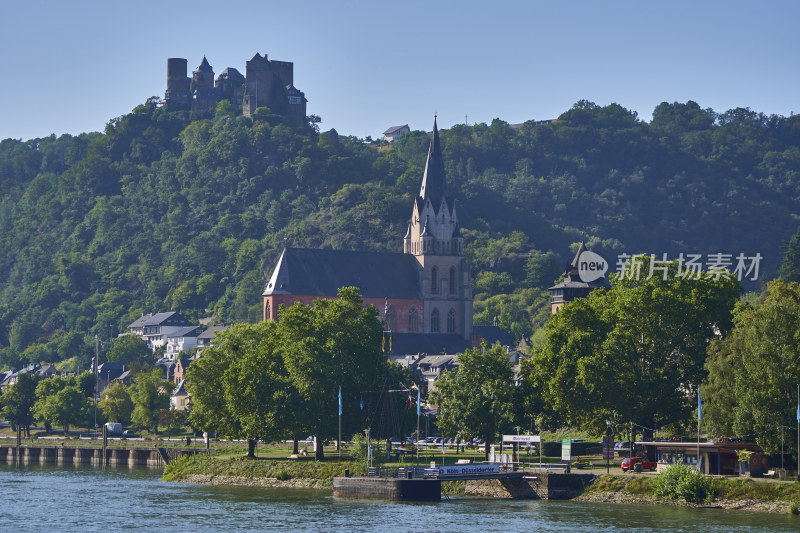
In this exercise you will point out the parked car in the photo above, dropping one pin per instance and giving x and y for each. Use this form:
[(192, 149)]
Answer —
[(622, 445), (631, 462)]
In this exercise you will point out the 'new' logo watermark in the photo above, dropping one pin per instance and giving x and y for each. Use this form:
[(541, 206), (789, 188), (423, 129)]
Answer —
[(591, 266)]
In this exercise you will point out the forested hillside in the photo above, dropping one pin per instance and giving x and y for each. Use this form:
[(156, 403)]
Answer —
[(186, 211)]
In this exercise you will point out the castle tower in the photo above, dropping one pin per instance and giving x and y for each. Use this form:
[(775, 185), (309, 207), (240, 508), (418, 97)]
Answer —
[(177, 95), (203, 93), (435, 241)]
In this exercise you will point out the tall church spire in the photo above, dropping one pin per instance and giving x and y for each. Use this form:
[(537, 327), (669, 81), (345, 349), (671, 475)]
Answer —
[(433, 184)]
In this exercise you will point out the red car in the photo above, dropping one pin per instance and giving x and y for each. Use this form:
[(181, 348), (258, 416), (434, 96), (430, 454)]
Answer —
[(630, 464)]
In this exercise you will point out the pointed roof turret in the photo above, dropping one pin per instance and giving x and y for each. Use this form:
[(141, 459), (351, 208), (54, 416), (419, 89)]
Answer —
[(433, 183), (581, 249), (205, 66)]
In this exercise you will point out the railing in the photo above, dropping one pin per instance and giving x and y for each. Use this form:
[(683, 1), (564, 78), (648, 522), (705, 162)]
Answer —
[(403, 472)]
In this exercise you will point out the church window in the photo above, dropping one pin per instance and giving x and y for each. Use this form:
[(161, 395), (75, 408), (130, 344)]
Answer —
[(390, 319), (268, 311), (451, 321), (435, 321), (412, 320), (434, 282), (452, 281)]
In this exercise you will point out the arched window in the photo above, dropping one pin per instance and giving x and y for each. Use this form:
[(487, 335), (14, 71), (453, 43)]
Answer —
[(267, 311), (452, 280), (435, 281), (390, 321), (435, 321), (451, 321), (412, 320)]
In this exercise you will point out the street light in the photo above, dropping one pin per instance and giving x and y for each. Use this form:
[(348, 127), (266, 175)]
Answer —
[(606, 446)]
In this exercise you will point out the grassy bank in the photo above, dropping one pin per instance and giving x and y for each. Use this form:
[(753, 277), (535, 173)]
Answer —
[(319, 473), (723, 492)]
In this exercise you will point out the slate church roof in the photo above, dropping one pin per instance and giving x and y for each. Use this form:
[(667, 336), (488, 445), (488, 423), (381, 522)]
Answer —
[(323, 272)]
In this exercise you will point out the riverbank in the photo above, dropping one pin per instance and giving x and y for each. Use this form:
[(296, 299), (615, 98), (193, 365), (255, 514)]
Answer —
[(733, 494), (746, 494)]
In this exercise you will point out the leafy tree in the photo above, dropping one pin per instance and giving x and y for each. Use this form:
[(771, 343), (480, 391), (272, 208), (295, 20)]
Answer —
[(171, 418), (477, 397), (116, 403), (18, 400), (335, 343), (635, 351), (67, 407), (790, 267), (150, 395), (129, 350), (753, 372), (257, 389)]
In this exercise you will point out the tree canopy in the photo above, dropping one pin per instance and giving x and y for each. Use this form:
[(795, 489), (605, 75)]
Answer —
[(634, 352), (186, 210), (476, 399), (753, 373)]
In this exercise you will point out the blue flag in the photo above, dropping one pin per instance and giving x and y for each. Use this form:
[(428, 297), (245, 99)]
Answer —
[(798, 410), (340, 400), (699, 405), (362, 402), (419, 403)]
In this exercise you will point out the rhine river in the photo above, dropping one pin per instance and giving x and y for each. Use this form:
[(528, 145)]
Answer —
[(84, 499)]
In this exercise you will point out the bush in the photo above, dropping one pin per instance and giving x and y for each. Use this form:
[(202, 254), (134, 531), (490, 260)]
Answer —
[(680, 481), (282, 475), (359, 450)]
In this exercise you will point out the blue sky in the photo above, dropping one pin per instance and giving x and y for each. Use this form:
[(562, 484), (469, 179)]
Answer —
[(69, 67)]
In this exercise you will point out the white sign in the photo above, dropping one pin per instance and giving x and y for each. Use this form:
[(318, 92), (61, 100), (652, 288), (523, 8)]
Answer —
[(522, 439), (591, 266), (455, 470)]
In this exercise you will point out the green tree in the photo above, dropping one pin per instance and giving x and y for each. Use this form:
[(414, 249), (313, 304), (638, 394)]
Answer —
[(790, 267), (67, 407), (335, 343), (116, 403), (18, 401), (753, 372), (477, 397), (128, 350), (635, 351), (150, 394)]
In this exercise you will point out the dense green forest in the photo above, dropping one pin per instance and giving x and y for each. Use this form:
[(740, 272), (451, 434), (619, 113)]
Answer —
[(189, 211)]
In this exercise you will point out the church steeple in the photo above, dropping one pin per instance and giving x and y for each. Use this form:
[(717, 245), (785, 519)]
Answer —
[(433, 182), (433, 228)]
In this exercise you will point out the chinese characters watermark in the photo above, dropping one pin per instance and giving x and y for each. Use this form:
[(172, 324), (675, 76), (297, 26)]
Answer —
[(718, 266)]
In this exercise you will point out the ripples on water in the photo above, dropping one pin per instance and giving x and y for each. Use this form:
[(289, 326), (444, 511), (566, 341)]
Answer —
[(85, 499)]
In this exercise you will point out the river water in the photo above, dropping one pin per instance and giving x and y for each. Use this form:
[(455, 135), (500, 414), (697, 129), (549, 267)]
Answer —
[(84, 499)]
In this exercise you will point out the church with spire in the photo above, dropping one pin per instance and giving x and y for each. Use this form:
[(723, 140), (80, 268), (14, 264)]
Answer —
[(423, 294)]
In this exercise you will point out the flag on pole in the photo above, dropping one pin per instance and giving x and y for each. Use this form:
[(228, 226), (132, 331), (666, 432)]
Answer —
[(699, 404), (340, 400), (362, 402), (798, 410), (419, 403)]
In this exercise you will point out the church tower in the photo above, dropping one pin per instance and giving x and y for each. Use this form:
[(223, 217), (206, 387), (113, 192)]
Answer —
[(435, 241)]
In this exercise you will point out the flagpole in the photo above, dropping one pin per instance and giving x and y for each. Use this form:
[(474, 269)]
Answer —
[(339, 442), (699, 418), (419, 410), (798, 431)]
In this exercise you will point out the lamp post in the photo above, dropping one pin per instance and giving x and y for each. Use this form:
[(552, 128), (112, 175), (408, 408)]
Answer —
[(605, 446)]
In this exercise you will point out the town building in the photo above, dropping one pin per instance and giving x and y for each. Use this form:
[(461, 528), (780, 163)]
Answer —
[(395, 132), (266, 83), (155, 329), (423, 294)]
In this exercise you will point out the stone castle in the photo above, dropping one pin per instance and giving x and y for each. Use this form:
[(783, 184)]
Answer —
[(267, 83)]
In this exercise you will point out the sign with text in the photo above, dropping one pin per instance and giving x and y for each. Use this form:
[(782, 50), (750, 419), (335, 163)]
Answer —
[(454, 470), (566, 450), (608, 447), (522, 439)]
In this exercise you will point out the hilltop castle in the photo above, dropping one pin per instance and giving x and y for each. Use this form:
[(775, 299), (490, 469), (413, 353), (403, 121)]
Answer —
[(268, 83)]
